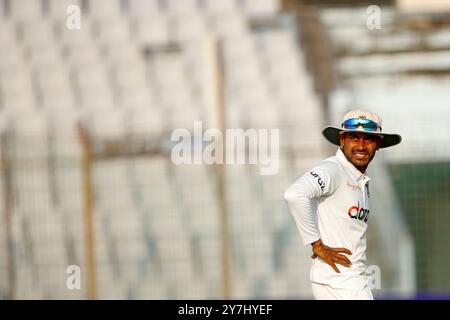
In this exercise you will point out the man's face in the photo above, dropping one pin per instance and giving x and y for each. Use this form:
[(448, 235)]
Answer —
[(359, 148)]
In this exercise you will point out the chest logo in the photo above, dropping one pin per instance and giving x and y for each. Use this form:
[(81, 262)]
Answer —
[(353, 186), (357, 212)]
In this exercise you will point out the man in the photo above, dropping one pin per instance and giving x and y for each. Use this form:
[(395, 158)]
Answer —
[(330, 206)]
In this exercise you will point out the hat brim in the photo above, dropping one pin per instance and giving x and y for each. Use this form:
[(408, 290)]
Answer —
[(389, 140)]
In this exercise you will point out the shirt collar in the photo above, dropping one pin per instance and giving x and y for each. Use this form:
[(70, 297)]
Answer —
[(350, 167)]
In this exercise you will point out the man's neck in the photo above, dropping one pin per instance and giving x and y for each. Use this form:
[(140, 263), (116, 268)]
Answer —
[(362, 169)]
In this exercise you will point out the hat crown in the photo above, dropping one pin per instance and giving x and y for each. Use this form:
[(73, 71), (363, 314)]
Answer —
[(361, 114)]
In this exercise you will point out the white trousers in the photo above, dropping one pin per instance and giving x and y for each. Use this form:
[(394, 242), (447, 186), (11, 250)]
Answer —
[(324, 292)]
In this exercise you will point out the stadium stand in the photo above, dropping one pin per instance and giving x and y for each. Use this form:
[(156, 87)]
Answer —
[(156, 224)]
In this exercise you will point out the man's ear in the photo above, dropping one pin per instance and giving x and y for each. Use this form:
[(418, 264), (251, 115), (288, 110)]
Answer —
[(380, 140), (341, 139)]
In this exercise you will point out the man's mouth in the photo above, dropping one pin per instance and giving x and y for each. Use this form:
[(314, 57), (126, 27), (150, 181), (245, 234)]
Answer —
[(360, 154)]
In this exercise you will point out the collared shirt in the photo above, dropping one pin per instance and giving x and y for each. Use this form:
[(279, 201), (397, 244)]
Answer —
[(331, 203)]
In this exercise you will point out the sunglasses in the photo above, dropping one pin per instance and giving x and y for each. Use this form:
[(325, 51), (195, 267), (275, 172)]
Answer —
[(366, 124)]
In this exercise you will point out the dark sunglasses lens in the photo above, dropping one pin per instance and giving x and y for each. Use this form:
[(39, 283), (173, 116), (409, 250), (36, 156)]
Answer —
[(371, 126)]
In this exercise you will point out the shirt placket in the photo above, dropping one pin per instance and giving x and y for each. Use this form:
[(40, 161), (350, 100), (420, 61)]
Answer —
[(364, 180)]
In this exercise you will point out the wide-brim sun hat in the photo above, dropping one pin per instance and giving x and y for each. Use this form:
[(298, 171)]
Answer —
[(362, 121)]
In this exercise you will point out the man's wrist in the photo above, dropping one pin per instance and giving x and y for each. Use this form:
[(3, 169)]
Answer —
[(316, 244)]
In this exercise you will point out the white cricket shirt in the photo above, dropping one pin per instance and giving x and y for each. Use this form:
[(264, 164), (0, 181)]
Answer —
[(331, 203)]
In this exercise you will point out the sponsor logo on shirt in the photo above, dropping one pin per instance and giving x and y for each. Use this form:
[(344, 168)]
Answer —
[(353, 186), (360, 213), (319, 180)]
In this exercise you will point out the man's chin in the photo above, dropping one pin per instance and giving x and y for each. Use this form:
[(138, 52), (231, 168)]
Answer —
[(360, 163)]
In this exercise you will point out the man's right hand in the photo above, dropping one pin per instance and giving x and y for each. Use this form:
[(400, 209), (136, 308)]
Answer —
[(331, 255)]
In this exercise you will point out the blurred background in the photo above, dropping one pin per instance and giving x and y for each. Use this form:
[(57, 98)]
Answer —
[(86, 116)]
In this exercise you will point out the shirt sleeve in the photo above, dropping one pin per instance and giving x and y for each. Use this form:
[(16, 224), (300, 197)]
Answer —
[(301, 198)]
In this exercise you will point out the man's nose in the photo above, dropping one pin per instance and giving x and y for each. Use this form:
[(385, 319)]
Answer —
[(361, 144)]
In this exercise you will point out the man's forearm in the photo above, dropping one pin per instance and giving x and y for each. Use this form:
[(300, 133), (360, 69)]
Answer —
[(303, 209)]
